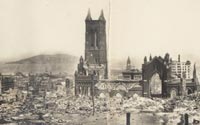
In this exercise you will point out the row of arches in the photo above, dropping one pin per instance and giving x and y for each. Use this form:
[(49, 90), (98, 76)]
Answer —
[(174, 92), (156, 87), (117, 86), (83, 90)]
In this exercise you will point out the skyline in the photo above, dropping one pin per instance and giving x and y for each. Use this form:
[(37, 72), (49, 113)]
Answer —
[(137, 28)]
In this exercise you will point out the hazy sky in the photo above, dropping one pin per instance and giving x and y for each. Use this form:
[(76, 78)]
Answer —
[(137, 27)]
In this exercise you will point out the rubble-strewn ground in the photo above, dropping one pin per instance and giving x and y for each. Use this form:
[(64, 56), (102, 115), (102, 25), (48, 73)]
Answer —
[(73, 110), (69, 110), (79, 110)]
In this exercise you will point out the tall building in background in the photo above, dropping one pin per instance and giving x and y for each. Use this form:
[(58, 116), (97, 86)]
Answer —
[(181, 69)]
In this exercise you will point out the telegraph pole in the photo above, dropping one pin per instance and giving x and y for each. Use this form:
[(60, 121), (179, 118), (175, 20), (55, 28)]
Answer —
[(93, 82)]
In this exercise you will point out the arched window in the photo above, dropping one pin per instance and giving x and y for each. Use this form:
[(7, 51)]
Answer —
[(173, 93), (189, 91), (155, 84)]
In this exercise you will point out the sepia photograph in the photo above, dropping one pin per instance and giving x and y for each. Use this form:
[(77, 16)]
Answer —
[(99, 62)]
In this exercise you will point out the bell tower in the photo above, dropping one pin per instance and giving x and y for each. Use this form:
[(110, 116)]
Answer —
[(95, 41)]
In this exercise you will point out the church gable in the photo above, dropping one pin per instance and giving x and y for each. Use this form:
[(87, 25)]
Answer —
[(156, 65)]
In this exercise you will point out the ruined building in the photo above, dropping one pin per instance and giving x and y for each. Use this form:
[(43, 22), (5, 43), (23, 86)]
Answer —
[(94, 66), (7, 82), (162, 79), (131, 73)]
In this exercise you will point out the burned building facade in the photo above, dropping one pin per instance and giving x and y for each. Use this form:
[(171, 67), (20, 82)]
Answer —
[(94, 66), (7, 82), (159, 80), (126, 86)]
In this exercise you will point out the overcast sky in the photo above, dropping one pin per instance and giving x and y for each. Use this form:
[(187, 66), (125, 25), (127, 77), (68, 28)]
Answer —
[(137, 27)]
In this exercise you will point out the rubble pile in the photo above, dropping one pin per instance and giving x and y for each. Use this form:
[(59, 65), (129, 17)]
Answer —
[(166, 110), (143, 104), (179, 106), (190, 106), (9, 109), (9, 104), (84, 105), (80, 105), (101, 105)]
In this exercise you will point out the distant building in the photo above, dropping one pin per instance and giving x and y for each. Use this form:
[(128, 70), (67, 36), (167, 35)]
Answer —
[(181, 69), (21, 81), (94, 66), (44, 82), (131, 73), (7, 82)]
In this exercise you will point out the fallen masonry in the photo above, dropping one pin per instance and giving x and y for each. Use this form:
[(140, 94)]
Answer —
[(71, 109)]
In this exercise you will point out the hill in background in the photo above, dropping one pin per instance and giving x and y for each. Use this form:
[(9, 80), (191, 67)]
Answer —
[(42, 63)]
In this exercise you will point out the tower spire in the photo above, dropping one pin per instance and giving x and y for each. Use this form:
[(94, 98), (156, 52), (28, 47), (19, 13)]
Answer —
[(128, 65), (145, 60), (179, 58), (150, 58), (194, 72), (88, 15), (81, 59), (101, 17)]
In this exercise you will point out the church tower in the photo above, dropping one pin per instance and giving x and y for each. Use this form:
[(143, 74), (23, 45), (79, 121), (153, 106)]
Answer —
[(95, 42)]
